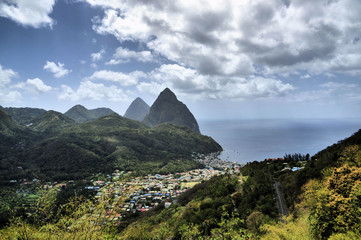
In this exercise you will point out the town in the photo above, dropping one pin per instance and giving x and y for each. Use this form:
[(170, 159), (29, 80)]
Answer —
[(141, 194)]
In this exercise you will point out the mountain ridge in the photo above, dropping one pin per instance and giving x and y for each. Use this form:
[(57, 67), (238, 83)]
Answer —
[(51, 121), (81, 114), (23, 115)]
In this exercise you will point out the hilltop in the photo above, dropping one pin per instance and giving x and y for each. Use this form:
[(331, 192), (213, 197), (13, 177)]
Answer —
[(167, 108), (50, 122), (81, 114)]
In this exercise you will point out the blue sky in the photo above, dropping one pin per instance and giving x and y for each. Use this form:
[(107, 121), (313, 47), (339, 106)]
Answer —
[(224, 59)]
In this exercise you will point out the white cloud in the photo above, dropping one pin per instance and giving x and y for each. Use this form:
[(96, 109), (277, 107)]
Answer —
[(242, 38), (93, 91), (97, 56), (121, 78), (189, 82), (123, 55), (306, 76), (28, 13), (5, 76), (7, 95), (57, 69), (33, 86)]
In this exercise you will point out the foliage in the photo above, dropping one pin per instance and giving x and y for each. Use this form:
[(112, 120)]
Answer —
[(292, 182), (293, 228), (51, 122), (257, 190), (338, 205), (23, 116)]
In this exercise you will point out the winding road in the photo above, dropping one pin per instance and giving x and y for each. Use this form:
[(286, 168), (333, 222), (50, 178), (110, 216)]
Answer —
[(280, 200)]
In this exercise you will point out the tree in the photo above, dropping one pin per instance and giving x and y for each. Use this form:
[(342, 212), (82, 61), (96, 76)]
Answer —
[(338, 205)]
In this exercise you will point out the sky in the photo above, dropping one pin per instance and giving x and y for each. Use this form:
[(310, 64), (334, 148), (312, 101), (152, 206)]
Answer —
[(225, 59)]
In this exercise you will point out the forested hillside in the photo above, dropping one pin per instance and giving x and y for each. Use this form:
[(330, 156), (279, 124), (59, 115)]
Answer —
[(55, 148)]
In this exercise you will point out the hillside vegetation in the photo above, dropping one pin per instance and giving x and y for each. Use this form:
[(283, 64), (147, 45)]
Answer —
[(229, 206), (55, 148)]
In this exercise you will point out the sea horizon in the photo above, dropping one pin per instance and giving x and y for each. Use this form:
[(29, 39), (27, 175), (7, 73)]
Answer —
[(247, 140)]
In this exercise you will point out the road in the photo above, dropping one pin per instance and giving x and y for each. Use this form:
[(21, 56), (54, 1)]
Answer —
[(280, 200)]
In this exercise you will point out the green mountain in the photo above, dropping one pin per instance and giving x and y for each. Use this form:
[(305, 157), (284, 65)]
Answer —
[(137, 110), (167, 109), (24, 116), (50, 122), (108, 143), (81, 114), (14, 139), (100, 112)]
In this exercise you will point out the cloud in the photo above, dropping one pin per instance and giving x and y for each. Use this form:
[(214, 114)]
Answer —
[(123, 55), (307, 76), (88, 90), (57, 69), (189, 82), (328, 92), (122, 79), (242, 38), (33, 86), (333, 86), (7, 95), (28, 13), (6, 75), (97, 56)]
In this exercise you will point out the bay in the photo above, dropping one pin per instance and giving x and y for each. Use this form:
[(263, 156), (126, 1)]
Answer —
[(257, 139)]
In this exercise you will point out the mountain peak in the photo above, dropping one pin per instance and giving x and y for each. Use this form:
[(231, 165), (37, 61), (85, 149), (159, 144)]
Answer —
[(137, 110), (167, 109), (167, 95), (78, 106), (78, 113)]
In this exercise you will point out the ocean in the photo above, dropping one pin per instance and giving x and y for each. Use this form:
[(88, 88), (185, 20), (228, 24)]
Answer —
[(248, 140)]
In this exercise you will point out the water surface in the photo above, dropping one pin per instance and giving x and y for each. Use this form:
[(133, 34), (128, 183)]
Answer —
[(248, 140)]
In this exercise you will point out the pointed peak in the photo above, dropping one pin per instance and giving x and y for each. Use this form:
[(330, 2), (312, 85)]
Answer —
[(167, 91), (138, 99), (167, 109), (137, 110), (167, 95)]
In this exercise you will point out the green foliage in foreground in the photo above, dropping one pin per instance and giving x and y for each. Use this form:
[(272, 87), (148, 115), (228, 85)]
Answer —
[(206, 212), (330, 207)]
